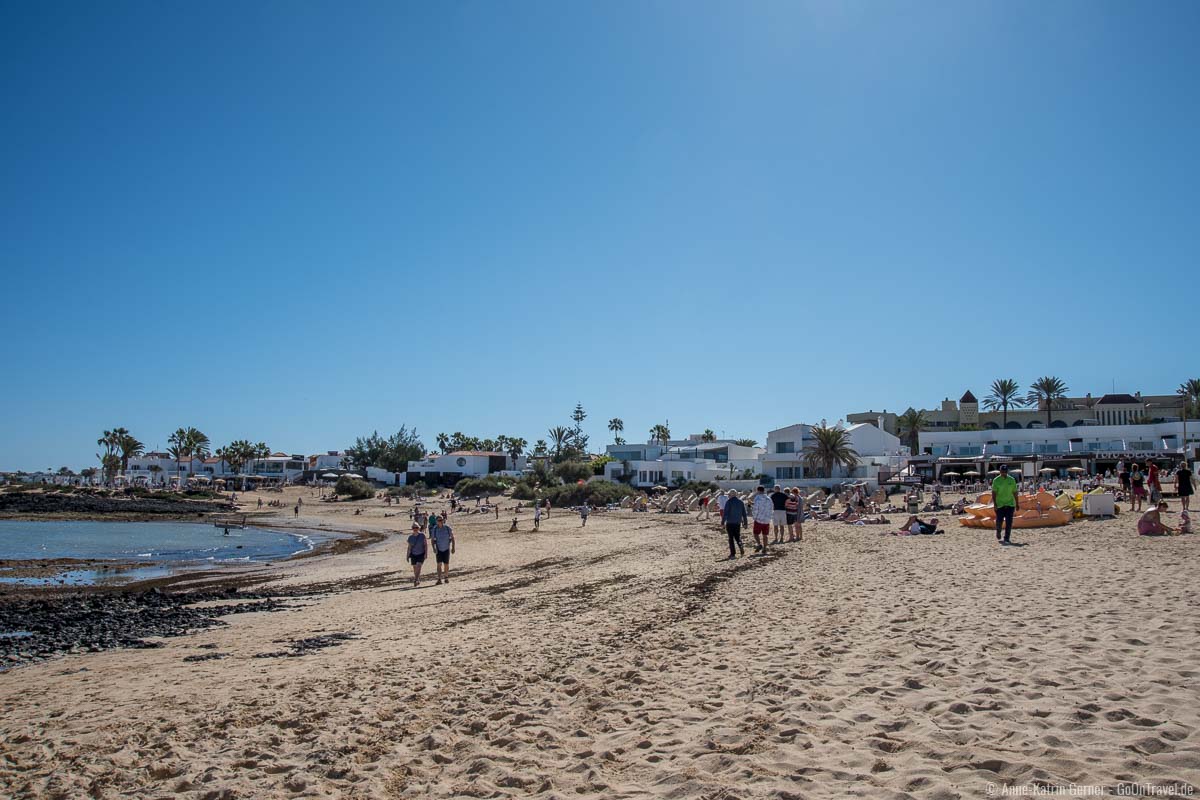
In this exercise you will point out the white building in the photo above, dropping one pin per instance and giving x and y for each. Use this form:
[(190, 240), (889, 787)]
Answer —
[(784, 459), (450, 468), (653, 465), (1095, 447)]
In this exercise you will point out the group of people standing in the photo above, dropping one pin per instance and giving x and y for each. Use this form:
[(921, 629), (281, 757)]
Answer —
[(780, 511)]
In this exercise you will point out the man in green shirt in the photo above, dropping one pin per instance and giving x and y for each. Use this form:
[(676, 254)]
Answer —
[(1004, 498)]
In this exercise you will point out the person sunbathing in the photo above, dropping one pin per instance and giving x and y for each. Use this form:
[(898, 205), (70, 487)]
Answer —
[(1151, 523), (915, 525), (960, 506)]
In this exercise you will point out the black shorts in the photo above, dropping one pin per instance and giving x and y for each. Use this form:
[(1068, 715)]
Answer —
[(791, 519), (417, 558), (443, 556)]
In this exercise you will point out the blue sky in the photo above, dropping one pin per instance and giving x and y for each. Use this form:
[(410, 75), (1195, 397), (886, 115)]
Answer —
[(298, 222)]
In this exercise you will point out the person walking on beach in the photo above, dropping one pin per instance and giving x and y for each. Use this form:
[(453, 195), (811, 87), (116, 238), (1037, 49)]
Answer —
[(1183, 486), (733, 516), (779, 500), (1153, 483), (1004, 499), (416, 552), (794, 508), (722, 499), (537, 516), (584, 510), (442, 537), (764, 512), (1137, 483)]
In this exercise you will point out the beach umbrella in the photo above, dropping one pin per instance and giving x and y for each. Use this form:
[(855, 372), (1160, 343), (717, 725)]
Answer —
[(972, 473), (1076, 469), (992, 472), (1046, 470), (329, 476), (951, 472)]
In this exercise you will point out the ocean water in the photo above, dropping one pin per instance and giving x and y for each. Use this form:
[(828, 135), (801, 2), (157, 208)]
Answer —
[(150, 542)]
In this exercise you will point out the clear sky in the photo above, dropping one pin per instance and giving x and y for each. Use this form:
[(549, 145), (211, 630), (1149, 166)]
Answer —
[(298, 222)]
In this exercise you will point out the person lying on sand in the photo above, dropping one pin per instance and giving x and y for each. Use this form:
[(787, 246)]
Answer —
[(915, 525), (1151, 523)]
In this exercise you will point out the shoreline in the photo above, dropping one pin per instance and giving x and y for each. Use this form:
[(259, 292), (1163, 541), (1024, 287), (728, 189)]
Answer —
[(196, 574)]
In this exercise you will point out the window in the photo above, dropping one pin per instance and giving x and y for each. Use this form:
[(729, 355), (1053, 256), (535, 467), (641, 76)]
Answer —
[(785, 447), (782, 473)]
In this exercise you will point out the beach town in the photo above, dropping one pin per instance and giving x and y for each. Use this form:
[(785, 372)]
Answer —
[(614, 633), (538, 400)]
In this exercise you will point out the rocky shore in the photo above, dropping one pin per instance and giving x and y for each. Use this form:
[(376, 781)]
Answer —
[(34, 628), (52, 505)]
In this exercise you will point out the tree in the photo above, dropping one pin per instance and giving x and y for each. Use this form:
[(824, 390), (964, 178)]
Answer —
[(1189, 390), (443, 442), (560, 436), (830, 448), (88, 473), (391, 454), (578, 440), (515, 447), (1005, 395), (660, 433), (186, 444), (708, 436), (911, 423), (746, 442), (129, 447), (540, 448), (616, 425), (1046, 390), (154, 470), (110, 442)]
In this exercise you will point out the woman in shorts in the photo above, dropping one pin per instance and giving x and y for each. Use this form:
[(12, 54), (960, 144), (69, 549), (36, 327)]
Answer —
[(1183, 486), (417, 550)]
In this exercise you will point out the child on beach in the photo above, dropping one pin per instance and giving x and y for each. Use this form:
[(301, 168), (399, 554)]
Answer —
[(584, 510)]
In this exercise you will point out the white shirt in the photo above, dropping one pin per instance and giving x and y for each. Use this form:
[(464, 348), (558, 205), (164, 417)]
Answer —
[(722, 500), (763, 509)]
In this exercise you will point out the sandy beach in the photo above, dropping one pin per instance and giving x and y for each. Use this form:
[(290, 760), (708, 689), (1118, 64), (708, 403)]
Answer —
[(627, 660)]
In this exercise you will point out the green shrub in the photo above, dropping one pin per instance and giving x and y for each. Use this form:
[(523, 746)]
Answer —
[(418, 489), (596, 493), (699, 487), (598, 464), (477, 487), (354, 488), (573, 471), (524, 491)]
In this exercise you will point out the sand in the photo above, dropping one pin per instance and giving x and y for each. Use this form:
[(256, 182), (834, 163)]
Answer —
[(626, 660)]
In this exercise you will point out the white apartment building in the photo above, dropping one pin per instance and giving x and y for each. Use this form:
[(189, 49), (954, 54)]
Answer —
[(1094, 447), (784, 459), (654, 465), (449, 468)]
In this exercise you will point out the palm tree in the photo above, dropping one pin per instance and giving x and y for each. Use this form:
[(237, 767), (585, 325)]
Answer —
[(516, 446), (154, 470), (616, 425), (110, 441), (660, 433), (708, 435), (1046, 390), (560, 436), (443, 442), (1005, 395), (129, 446), (911, 423), (1189, 390), (178, 449), (746, 442), (830, 448)]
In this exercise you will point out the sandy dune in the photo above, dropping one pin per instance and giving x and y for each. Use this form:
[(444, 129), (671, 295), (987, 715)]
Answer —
[(625, 660)]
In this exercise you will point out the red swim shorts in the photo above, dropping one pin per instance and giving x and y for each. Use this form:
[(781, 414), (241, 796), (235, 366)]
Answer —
[(762, 527)]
